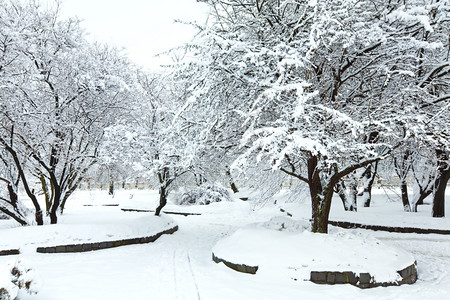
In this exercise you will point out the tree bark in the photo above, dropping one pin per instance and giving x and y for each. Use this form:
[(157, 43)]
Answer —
[(321, 210), (164, 182), (369, 176), (111, 188), (320, 197), (231, 181), (340, 190), (162, 200), (55, 205), (441, 184), (405, 200)]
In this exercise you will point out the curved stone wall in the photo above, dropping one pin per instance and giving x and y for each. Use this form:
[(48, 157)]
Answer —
[(363, 280), (237, 267), (103, 245), (9, 252)]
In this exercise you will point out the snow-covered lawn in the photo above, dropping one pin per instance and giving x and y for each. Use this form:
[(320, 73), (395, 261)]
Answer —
[(179, 266)]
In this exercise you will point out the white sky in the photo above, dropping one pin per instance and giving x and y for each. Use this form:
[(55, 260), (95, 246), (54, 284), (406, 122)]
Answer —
[(144, 27)]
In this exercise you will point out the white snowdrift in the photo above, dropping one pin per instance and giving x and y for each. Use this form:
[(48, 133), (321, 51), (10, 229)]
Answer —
[(287, 249)]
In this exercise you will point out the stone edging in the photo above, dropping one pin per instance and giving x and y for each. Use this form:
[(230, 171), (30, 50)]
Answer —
[(103, 245), (166, 212), (9, 252), (363, 280), (350, 225), (240, 268)]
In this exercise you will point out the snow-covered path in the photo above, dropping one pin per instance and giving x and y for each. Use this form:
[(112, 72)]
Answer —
[(179, 266)]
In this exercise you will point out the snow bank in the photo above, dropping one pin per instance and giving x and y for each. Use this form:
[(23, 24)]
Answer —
[(288, 249), (87, 227)]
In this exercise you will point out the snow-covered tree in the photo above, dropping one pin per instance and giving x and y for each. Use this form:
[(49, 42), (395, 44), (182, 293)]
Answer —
[(60, 94), (319, 82), (150, 138)]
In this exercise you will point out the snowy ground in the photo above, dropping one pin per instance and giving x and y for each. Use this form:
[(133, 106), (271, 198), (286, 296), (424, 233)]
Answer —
[(179, 266)]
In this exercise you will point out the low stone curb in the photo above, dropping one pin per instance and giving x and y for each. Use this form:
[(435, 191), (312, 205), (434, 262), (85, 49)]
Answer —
[(9, 252), (111, 205), (166, 212), (350, 225), (363, 280), (103, 245), (240, 268)]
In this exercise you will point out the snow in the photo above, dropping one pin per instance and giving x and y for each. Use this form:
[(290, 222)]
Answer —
[(179, 266), (295, 254), (85, 225)]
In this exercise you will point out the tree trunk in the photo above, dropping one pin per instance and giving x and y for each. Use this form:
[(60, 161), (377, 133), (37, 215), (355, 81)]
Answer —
[(111, 188), (321, 204), (231, 181), (441, 184), (369, 179), (353, 194), (162, 200), (405, 200), (55, 205), (418, 199), (340, 190), (320, 198)]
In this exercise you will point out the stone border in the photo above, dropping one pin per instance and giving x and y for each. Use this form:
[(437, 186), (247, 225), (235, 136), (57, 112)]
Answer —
[(103, 245), (363, 280), (166, 212), (240, 268), (113, 205), (350, 225), (9, 252)]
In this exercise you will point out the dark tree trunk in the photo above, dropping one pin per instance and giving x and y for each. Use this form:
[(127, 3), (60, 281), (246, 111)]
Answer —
[(405, 200), (39, 218), (164, 183), (402, 169), (55, 205), (111, 188), (231, 181), (320, 198), (162, 200), (441, 184), (321, 204), (340, 190), (369, 179), (422, 196)]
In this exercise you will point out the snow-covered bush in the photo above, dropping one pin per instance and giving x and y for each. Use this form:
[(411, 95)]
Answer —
[(281, 223), (204, 195), (16, 276)]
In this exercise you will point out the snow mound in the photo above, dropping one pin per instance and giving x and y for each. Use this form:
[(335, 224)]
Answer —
[(92, 229), (293, 252)]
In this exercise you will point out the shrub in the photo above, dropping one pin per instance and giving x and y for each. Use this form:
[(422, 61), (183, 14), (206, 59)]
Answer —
[(15, 277), (204, 195)]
